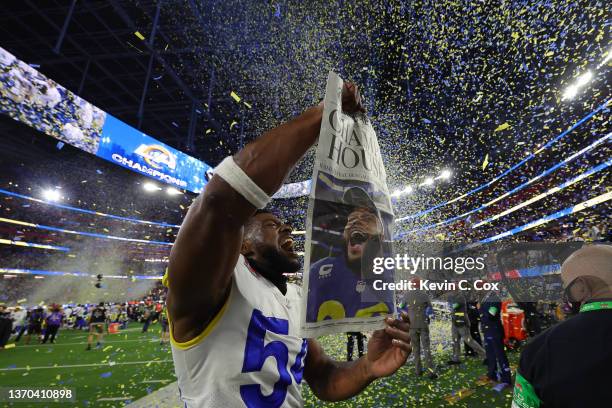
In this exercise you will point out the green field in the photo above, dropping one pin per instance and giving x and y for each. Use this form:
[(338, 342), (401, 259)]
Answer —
[(131, 364), (405, 389)]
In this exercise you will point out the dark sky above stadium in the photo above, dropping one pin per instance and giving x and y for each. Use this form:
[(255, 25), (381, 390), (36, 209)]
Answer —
[(470, 86)]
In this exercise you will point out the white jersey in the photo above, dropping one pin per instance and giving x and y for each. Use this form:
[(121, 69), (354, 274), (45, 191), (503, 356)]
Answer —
[(20, 317), (78, 311), (251, 354)]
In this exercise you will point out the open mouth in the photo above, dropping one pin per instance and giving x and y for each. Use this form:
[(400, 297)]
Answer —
[(358, 237), (357, 241), (287, 245)]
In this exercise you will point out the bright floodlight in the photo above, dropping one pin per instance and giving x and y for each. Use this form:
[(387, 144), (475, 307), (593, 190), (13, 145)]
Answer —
[(51, 195), (445, 174), (150, 186), (173, 191), (584, 78), (570, 92), (428, 181)]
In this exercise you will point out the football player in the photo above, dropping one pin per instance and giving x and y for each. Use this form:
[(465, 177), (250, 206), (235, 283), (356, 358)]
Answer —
[(234, 319)]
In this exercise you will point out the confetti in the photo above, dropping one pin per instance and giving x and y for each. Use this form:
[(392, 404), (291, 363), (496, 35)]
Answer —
[(485, 162), (502, 127), (234, 96)]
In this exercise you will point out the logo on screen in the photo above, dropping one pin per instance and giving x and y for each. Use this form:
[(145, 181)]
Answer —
[(156, 156)]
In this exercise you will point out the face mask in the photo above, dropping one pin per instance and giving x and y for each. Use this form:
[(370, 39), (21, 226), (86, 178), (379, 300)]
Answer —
[(570, 308), (571, 304)]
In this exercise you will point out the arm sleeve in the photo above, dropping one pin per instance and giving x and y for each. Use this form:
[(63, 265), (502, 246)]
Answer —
[(233, 175)]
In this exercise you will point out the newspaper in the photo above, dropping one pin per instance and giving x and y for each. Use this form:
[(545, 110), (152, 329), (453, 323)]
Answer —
[(349, 224)]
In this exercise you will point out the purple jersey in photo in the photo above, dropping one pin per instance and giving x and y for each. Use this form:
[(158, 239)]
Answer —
[(336, 292), (36, 317), (54, 319)]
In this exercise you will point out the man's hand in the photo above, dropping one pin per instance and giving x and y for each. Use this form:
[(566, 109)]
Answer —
[(351, 99), (330, 380), (389, 348)]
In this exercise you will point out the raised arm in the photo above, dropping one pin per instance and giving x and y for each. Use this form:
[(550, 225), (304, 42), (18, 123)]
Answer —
[(209, 240)]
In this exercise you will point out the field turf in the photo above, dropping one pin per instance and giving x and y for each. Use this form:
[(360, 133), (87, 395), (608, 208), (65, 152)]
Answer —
[(457, 386), (132, 364), (129, 365)]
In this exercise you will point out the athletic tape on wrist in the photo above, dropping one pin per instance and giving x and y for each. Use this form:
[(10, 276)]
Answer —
[(233, 175)]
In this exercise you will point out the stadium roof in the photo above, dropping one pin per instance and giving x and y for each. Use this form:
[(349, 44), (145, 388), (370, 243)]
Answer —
[(448, 85)]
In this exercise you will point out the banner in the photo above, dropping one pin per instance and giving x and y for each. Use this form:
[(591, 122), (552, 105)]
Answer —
[(129, 148), (30, 97), (349, 226)]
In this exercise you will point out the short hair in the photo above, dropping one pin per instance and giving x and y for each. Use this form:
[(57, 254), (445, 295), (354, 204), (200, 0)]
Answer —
[(261, 211), (249, 223)]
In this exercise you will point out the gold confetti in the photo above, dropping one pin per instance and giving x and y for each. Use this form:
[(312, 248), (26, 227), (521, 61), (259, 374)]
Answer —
[(235, 96)]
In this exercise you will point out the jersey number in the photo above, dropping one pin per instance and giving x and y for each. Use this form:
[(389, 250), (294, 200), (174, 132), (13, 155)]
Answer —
[(255, 354), (334, 310)]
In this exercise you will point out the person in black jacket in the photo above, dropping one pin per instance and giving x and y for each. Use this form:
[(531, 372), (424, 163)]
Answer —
[(6, 326), (35, 324), (568, 365), (350, 344), (498, 368), (474, 316)]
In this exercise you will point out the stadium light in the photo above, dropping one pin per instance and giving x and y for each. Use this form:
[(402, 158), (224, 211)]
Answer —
[(150, 187), (570, 92), (173, 191), (584, 78), (428, 182), (445, 174), (407, 190), (51, 195)]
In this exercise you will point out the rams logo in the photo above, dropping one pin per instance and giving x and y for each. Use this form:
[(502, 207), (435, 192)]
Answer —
[(325, 270), (156, 156)]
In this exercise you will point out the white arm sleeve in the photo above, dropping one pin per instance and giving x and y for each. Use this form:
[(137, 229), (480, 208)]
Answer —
[(233, 175)]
